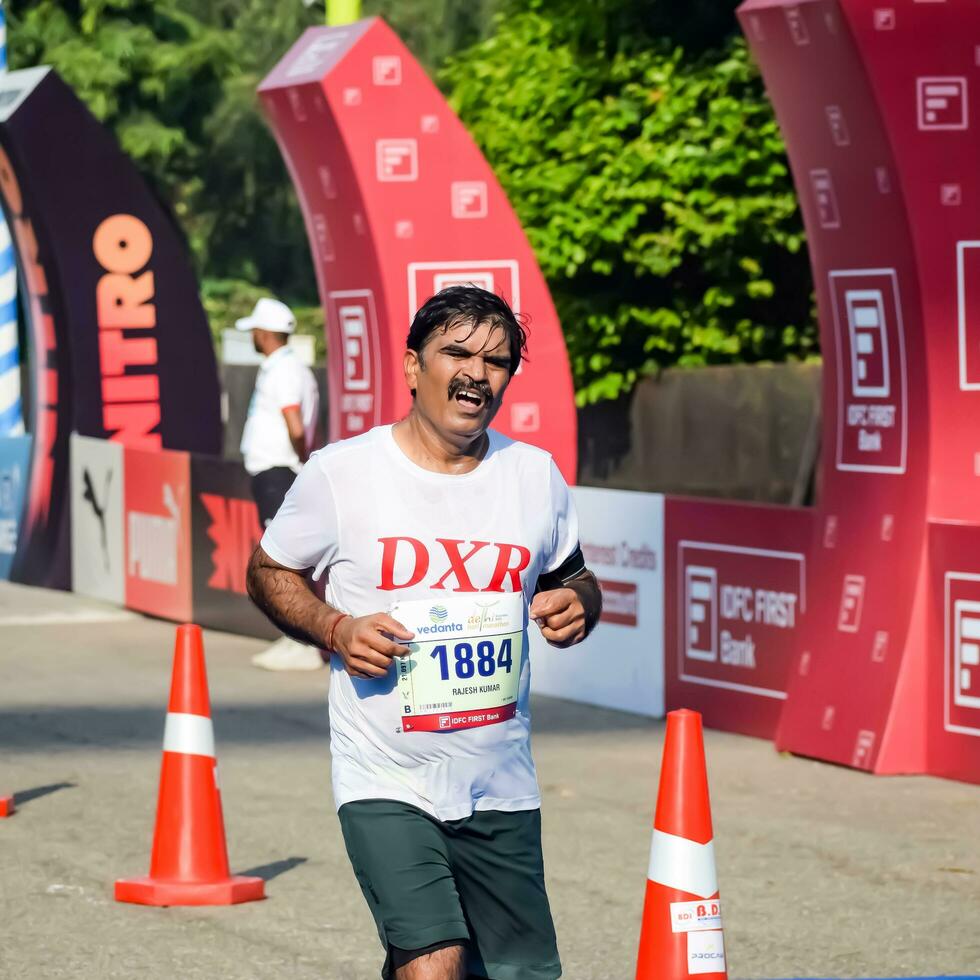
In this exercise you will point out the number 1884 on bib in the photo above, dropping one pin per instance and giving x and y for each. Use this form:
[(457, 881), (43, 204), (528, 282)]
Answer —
[(465, 665)]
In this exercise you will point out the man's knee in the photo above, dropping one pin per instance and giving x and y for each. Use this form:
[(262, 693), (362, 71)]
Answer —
[(445, 963)]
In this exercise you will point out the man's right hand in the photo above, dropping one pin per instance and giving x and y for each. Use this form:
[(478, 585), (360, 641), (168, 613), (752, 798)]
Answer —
[(365, 647)]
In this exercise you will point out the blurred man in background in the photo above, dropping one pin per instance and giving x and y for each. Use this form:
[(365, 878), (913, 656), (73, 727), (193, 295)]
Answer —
[(277, 440)]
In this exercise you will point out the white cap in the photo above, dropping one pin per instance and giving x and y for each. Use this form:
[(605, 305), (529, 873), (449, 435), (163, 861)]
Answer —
[(269, 314)]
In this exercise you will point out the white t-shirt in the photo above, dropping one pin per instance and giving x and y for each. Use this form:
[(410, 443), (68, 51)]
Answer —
[(283, 380), (386, 531)]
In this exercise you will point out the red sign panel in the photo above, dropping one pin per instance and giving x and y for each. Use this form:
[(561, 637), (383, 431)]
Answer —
[(399, 203), (734, 602), (157, 527), (619, 602), (733, 608)]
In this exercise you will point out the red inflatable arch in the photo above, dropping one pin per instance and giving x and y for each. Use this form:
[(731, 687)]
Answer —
[(398, 203)]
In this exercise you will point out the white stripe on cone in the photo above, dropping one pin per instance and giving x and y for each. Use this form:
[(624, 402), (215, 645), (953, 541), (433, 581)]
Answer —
[(189, 734), (676, 862)]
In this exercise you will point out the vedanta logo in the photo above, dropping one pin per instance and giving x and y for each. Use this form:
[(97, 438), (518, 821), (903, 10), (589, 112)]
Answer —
[(438, 614)]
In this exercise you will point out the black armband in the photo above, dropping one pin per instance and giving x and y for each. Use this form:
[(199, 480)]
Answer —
[(572, 566)]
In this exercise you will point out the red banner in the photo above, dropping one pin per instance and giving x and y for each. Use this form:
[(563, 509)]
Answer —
[(157, 524), (456, 721), (733, 609), (399, 203)]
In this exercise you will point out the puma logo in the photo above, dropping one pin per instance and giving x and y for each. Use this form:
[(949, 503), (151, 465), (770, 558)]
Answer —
[(98, 509)]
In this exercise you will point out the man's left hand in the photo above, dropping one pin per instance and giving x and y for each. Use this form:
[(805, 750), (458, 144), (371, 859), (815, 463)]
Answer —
[(560, 615)]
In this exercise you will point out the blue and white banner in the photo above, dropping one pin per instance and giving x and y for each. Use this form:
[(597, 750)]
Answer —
[(15, 454), (11, 415)]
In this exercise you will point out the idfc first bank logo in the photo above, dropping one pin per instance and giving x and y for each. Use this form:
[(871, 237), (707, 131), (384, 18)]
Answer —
[(739, 608)]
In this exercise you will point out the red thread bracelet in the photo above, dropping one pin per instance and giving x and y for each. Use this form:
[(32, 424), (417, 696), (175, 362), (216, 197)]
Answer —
[(333, 629)]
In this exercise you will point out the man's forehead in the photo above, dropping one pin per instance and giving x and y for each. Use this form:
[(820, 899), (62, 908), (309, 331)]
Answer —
[(472, 336)]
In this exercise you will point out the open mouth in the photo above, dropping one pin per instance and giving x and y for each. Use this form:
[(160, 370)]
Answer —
[(471, 398)]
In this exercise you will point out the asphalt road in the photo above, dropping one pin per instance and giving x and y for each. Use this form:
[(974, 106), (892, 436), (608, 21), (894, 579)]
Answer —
[(823, 871)]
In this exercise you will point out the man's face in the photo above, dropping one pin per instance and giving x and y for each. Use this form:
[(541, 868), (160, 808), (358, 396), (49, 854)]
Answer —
[(460, 378)]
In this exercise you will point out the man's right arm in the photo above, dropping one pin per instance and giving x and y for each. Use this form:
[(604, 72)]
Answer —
[(365, 644)]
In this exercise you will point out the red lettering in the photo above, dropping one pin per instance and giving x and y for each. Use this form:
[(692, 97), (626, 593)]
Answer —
[(133, 425), (131, 388), (457, 564), (122, 243), (235, 531), (9, 185), (118, 352), (388, 556), (505, 570), (124, 301)]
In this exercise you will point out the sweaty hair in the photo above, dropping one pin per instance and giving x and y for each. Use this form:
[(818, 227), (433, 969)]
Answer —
[(471, 305)]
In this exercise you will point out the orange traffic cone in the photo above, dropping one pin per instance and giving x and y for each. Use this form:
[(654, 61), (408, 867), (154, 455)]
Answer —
[(6, 806), (189, 863), (681, 931)]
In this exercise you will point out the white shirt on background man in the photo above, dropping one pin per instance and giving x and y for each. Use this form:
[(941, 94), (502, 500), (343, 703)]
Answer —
[(283, 381)]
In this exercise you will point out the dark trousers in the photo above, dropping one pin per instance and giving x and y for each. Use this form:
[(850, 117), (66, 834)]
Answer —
[(269, 488)]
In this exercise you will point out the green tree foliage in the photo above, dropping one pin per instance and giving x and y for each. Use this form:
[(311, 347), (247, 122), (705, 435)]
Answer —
[(175, 80), (652, 184), (633, 137)]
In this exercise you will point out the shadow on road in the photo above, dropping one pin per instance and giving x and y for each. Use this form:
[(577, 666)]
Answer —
[(26, 795), (110, 726), (269, 871)]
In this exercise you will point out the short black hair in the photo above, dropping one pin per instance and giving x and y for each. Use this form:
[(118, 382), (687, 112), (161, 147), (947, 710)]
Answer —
[(468, 304)]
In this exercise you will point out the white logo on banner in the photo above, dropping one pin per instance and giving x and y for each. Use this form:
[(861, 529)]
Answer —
[(950, 195), (884, 18), (316, 54), (525, 416), (838, 126), (872, 409), (797, 25), (851, 604), (941, 103), (828, 214), (701, 606), (153, 542), (397, 159), (961, 626), (425, 279), (386, 69), (968, 313), (469, 198)]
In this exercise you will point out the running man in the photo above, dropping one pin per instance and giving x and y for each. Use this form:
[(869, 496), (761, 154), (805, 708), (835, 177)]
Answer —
[(441, 539)]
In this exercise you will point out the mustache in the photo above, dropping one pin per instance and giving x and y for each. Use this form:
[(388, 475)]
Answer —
[(481, 388)]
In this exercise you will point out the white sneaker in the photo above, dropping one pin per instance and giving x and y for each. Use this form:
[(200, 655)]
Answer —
[(288, 654)]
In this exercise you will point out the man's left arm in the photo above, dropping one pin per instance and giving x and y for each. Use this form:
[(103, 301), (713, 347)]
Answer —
[(568, 602), (297, 431)]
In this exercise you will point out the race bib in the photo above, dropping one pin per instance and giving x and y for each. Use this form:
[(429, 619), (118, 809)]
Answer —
[(465, 666)]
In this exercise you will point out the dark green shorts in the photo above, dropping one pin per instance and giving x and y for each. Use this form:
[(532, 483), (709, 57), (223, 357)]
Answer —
[(479, 880)]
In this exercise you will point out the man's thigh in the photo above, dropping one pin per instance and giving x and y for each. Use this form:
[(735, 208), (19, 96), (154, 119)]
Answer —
[(401, 860), (499, 872)]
